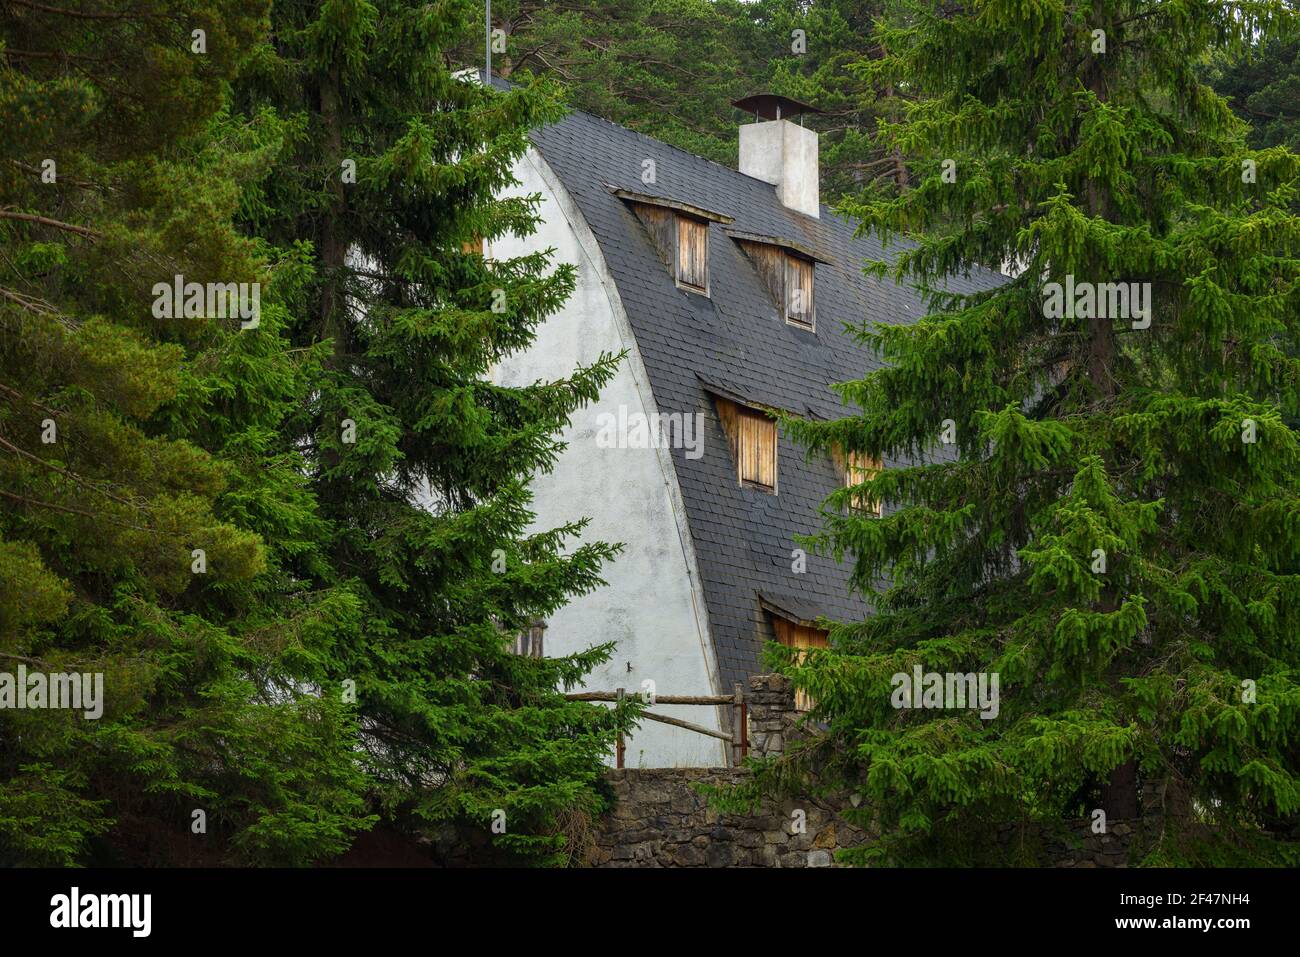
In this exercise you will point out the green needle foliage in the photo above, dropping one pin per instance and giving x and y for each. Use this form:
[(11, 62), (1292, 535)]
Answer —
[(1114, 529), (382, 181), (150, 514), (828, 70), (672, 68), (1263, 88), (298, 551), (666, 68)]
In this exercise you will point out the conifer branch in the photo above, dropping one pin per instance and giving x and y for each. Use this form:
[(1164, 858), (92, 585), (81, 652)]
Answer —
[(54, 223)]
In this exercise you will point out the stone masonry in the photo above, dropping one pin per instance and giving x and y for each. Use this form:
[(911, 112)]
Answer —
[(661, 820), (773, 720)]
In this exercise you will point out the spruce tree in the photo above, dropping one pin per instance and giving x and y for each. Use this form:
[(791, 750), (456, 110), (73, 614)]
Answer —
[(385, 185), (671, 69), (666, 68), (1262, 87), (819, 54), (1114, 525), (149, 511)]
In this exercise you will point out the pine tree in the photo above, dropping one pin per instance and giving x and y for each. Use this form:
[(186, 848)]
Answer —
[(666, 68), (149, 510), (385, 186), (1114, 530), (825, 48), (672, 68), (1263, 88)]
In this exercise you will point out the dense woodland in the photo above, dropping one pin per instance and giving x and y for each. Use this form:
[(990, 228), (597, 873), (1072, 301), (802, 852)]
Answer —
[(298, 550)]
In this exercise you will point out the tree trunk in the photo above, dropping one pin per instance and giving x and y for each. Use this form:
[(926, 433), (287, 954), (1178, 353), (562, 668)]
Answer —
[(1119, 796), (333, 248)]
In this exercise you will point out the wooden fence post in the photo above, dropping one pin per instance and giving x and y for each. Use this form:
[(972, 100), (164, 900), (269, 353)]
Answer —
[(744, 728), (737, 725), (618, 748)]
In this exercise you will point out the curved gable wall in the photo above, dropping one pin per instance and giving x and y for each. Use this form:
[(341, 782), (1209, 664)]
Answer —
[(737, 341), (653, 607)]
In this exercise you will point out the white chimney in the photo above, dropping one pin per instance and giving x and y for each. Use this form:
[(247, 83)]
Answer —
[(780, 152)]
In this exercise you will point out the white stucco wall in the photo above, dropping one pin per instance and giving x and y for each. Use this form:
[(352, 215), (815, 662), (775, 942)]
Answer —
[(652, 607)]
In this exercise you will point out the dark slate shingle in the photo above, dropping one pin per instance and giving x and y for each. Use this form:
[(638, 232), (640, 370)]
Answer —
[(738, 341)]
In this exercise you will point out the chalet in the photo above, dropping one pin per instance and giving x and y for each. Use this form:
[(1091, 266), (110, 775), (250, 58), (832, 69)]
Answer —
[(730, 291)]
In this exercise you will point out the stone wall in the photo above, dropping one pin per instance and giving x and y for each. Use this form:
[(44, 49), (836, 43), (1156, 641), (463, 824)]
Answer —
[(1079, 847), (661, 820), (773, 720)]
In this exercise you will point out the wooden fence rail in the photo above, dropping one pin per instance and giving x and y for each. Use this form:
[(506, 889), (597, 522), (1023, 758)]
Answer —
[(659, 698), (737, 737)]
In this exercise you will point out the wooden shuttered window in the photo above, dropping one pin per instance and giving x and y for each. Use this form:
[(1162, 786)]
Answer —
[(859, 468), (804, 638), (529, 642), (753, 439), (799, 290), (475, 246), (693, 253), (788, 277), (756, 448), (680, 237)]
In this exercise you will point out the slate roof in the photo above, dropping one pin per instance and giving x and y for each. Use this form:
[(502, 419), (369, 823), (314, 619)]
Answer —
[(737, 341)]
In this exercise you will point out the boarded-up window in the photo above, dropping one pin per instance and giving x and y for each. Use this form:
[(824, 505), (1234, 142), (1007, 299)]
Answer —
[(693, 253), (860, 468), (804, 638), (787, 276), (680, 234), (661, 224), (799, 290), (753, 438), (529, 642), (756, 447)]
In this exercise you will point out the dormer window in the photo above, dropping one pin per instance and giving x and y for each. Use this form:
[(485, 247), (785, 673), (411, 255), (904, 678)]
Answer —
[(693, 254), (859, 468), (799, 290), (791, 630), (680, 233), (752, 436), (787, 269)]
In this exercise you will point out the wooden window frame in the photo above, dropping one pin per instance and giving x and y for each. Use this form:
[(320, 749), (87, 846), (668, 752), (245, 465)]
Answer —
[(680, 224), (662, 218), (732, 415), (529, 641), (759, 422), (803, 638), (776, 262), (792, 264), (858, 467)]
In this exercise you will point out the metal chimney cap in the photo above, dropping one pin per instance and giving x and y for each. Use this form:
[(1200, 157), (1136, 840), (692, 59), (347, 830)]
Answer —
[(770, 106)]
